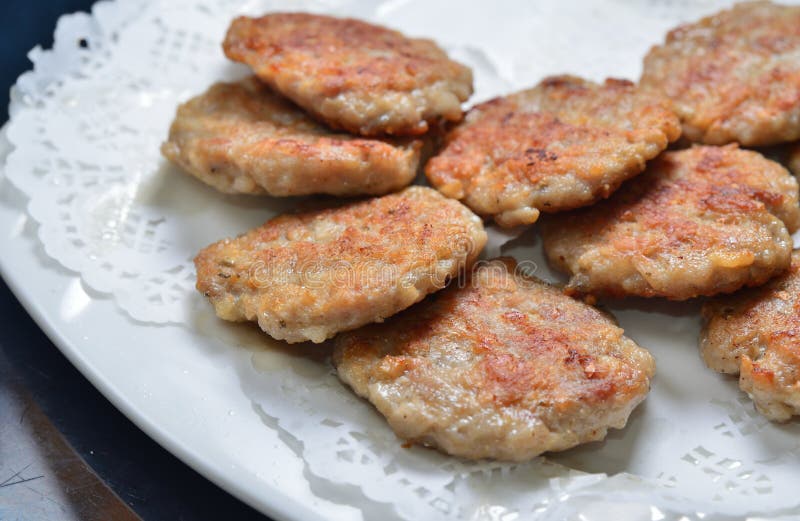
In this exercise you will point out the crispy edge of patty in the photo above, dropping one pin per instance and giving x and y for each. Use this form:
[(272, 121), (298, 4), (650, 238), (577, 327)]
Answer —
[(242, 138), (364, 78), (560, 145), (614, 248), (308, 276), (450, 374), (716, 105), (755, 333)]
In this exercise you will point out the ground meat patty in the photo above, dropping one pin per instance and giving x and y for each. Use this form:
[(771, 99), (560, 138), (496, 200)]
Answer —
[(734, 76), (308, 276), (699, 221), (242, 138), (756, 333), (353, 75), (563, 144), (503, 366)]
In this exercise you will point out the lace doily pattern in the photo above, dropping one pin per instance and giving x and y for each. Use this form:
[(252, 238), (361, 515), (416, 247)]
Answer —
[(86, 127), (87, 124), (718, 459)]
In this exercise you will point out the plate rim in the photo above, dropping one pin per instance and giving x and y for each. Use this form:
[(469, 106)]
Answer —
[(273, 503)]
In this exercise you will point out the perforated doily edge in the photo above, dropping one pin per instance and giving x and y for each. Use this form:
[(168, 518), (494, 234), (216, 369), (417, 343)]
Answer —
[(17, 104), (93, 26)]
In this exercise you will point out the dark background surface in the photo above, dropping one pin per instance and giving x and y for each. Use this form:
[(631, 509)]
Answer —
[(149, 479)]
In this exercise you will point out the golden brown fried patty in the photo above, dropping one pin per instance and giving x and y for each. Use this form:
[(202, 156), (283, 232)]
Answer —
[(353, 75), (308, 276), (503, 367), (242, 138), (734, 76), (699, 221), (563, 144), (756, 333)]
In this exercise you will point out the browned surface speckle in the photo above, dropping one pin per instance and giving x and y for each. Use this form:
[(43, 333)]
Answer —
[(308, 276), (242, 138), (564, 144), (351, 74), (756, 333), (501, 367), (700, 221), (734, 76)]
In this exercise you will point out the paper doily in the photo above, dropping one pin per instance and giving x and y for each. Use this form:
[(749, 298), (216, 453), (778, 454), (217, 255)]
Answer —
[(86, 127)]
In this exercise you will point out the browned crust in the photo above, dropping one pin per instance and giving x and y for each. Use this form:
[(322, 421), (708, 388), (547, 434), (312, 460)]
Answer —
[(733, 76), (351, 74), (308, 276), (756, 333), (699, 221), (503, 366), (242, 138), (563, 144)]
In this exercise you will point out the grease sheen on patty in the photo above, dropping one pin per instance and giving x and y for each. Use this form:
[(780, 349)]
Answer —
[(503, 366), (309, 276), (699, 221), (351, 74), (754, 333), (563, 144), (733, 76), (243, 138)]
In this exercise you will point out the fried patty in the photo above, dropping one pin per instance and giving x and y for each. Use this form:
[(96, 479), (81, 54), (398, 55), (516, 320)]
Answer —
[(503, 366), (699, 221), (756, 333), (733, 76), (308, 276), (563, 144), (243, 138), (351, 74)]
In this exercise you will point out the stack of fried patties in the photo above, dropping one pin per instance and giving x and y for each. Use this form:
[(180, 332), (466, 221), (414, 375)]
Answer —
[(336, 106), (496, 363), (733, 78)]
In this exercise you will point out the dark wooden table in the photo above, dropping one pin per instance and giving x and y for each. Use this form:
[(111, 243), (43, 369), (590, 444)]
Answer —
[(65, 452)]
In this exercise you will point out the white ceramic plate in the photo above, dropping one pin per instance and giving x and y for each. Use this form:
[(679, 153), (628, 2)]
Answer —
[(277, 430)]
